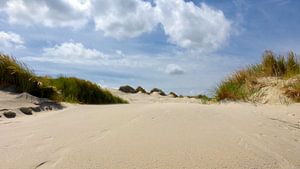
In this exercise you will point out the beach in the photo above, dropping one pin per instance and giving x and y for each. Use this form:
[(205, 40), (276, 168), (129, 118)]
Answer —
[(164, 135)]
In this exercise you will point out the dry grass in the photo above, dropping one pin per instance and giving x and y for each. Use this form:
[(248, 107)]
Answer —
[(242, 84)]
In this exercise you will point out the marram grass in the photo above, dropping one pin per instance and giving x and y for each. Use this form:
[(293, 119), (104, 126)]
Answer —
[(69, 89), (242, 84)]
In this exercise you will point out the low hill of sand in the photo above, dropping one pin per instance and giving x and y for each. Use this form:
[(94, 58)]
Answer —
[(139, 98), (13, 105), (162, 133)]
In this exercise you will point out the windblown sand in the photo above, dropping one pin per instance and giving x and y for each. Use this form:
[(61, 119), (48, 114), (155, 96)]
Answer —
[(162, 135)]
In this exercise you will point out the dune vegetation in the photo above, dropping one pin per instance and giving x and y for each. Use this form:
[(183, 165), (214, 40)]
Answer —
[(242, 84), (69, 89)]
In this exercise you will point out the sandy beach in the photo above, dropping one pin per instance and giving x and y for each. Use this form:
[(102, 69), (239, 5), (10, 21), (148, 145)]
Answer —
[(149, 84), (164, 135)]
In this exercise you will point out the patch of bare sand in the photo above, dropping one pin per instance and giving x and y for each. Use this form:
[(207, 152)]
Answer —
[(157, 135)]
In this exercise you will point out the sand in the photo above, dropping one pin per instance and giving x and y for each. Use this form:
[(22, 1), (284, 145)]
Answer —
[(155, 134)]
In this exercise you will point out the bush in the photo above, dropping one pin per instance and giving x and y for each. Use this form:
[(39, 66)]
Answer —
[(69, 89), (173, 94), (127, 89), (159, 91), (141, 90)]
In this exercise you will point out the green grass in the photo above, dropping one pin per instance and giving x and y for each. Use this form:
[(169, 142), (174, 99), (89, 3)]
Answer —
[(242, 84), (76, 90), (69, 89)]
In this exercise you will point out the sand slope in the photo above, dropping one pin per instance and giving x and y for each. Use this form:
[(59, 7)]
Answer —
[(23, 104), (157, 135)]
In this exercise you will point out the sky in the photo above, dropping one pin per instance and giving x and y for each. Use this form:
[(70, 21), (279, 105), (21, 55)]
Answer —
[(177, 45)]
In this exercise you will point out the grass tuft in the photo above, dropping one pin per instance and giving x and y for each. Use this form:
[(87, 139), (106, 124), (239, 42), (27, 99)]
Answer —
[(69, 89), (242, 84)]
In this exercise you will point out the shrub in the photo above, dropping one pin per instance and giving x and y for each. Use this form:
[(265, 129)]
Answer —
[(173, 94), (127, 89), (159, 91), (140, 89)]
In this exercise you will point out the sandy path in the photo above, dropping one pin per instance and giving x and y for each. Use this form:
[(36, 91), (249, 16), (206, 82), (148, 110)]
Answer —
[(144, 136)]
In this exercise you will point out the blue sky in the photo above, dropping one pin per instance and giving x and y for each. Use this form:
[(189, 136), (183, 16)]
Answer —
[(176, 45)]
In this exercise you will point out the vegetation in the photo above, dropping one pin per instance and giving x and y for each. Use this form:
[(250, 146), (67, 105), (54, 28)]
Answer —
[(242, 84), (141, 90), (70, 89), (173, 94), (203, 97), (159, 91), (127, 89), (293, 91)]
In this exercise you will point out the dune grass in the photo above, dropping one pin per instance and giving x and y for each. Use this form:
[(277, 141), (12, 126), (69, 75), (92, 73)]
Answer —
[(76, 90), (243, 83), (69, 89)]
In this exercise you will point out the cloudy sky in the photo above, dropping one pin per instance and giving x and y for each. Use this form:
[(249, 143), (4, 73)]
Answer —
[(182, 46)]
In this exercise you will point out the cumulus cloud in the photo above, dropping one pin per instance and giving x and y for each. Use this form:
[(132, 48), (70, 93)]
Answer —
[(187, 25), (62, 13), (123, 19), (71, 52), (190, 26), (10, 41), (77, 53), (174, 69)]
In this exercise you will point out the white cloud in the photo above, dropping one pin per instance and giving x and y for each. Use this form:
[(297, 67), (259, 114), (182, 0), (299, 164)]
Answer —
[(62, 13), (71, 52), (76, 53), (10, 41), (123, 19), (189, 26), (174, 69)]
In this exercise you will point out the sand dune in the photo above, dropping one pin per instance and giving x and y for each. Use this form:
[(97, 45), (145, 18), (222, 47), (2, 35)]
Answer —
[(157, 135), (15, 105)]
